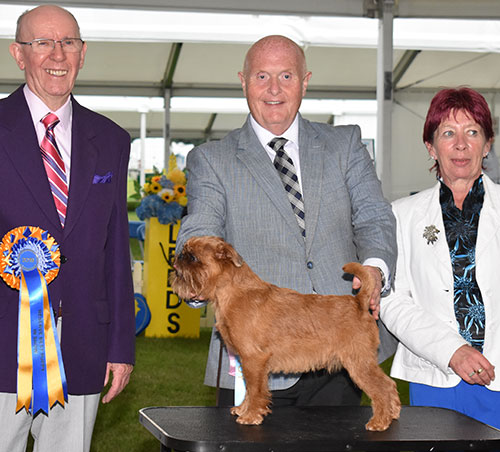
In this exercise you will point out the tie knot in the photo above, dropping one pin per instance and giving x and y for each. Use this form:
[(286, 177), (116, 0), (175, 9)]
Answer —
[(277, 143), (50, 120)]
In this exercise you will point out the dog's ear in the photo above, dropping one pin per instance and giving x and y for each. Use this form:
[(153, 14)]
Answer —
[(228, 253)]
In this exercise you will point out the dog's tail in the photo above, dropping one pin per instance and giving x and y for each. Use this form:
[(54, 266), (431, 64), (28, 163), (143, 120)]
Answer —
[(367, 282)]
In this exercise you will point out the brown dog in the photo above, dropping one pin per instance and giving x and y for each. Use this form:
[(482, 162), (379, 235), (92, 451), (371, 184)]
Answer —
[(280, 330)]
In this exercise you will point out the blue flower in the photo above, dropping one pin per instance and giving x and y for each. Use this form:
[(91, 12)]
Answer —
[(169, 212), (154, 206), (166, 183)]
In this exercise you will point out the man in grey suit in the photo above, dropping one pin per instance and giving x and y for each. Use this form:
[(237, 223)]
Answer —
[(297, 232)]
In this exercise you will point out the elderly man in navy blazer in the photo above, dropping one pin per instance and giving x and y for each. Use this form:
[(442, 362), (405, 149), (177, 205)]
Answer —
[(297, 200), (92, 296)]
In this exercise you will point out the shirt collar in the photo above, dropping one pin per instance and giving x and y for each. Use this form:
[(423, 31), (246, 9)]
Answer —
[(265, 136), (38, 109), (472, 201)]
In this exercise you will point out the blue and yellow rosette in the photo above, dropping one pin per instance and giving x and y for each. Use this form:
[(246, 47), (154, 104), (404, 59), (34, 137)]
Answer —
[(29, 261)]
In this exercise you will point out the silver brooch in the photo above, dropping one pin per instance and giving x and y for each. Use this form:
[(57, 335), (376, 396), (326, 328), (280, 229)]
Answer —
[(430, 234)]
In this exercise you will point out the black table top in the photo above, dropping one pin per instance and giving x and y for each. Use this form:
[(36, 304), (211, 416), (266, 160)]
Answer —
[(316, 429)]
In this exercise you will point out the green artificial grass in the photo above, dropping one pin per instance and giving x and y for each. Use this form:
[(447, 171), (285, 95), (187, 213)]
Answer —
[(169, 372)]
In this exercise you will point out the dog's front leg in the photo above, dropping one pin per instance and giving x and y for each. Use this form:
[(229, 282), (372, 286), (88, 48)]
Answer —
[(257, 398)]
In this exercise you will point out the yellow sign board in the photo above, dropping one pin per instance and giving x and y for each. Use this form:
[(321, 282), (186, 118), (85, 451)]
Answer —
[(170, 317)]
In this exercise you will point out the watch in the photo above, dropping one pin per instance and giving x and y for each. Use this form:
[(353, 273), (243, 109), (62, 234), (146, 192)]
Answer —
[(382, 278)]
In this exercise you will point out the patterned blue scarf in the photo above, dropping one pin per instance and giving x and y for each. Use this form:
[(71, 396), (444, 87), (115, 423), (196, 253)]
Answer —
[(461, 234)]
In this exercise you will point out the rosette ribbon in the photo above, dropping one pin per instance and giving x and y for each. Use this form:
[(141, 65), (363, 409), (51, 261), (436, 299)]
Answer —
[(29, 261)]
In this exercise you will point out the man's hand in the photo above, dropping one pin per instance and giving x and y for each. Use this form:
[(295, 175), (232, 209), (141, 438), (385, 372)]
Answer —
[(121, 376), (471, 366), (375, 298)]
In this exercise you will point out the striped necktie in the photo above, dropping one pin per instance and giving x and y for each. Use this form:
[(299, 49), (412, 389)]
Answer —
[(54, 166), (284, 165)]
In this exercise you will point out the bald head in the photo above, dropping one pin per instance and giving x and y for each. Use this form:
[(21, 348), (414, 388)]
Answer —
[(275, 44), (26, 18)]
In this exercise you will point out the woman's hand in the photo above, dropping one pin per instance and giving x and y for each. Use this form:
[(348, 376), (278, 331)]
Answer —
[(471, 366)]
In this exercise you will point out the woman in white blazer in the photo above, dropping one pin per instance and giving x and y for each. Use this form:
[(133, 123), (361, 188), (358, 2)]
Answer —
[(445, 305)]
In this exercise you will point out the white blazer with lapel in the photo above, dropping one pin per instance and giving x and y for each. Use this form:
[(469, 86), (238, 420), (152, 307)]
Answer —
[(419, 311)]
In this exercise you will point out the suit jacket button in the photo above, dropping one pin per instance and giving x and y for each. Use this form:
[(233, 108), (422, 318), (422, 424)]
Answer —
[(310, 265), (64, 259)]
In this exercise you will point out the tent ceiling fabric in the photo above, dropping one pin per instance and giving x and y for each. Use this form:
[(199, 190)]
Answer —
[(209, 69), (468, 9)]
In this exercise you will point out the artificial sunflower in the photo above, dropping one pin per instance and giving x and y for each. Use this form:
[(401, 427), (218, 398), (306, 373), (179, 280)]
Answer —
[(179, 190), (167, 195), (155, 187)]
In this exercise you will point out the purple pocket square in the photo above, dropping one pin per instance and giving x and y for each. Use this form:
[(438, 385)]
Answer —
[(106, 179)]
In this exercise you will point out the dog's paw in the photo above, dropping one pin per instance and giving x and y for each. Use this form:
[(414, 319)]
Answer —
[(250, 419), (378, 425), (236, 410), (250, 416)]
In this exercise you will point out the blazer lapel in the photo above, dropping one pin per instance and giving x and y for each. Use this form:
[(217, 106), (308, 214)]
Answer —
[(489, 219), (311, 168), (83, 165), (254, 157), (432, 216), (23, 150)]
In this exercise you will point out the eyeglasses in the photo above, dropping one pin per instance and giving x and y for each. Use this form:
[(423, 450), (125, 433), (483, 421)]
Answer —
[(44, 46)]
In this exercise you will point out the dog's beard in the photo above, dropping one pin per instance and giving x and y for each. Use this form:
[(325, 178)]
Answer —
[(186, 282), (180, 285)]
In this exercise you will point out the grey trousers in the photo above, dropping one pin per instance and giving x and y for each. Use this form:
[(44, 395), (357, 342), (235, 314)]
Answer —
[(67, 429)]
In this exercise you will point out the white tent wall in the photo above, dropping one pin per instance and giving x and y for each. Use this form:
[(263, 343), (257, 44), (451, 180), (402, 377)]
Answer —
[(410, 161)]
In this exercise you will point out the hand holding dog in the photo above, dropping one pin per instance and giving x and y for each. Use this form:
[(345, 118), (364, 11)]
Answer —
[(375, 297)]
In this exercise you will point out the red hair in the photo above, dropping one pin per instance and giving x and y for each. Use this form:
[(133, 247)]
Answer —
[(450, 101)]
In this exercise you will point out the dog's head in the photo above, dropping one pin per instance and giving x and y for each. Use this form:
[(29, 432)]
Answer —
[(200, 266)]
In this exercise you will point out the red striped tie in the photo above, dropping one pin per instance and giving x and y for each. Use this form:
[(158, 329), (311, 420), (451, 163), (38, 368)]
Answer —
[(54, 166)]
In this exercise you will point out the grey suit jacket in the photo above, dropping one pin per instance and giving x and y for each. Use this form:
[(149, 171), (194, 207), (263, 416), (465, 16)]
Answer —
[(235, 192)]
